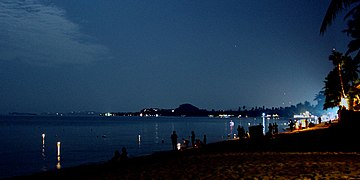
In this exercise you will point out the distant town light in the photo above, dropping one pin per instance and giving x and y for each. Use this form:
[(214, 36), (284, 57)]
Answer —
[(108, 114)]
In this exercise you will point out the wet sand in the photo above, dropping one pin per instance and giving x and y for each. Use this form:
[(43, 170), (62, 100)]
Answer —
[(319, 153)]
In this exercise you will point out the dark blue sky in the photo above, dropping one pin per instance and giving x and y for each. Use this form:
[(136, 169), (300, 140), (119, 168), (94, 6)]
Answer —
[(66, 55)]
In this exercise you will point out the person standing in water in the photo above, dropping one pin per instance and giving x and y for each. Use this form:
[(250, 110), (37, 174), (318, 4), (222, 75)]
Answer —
[(204, 139), (193, 138), (174, 138)]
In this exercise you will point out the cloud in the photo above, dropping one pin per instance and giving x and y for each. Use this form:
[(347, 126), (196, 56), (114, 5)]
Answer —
[(40, 34)]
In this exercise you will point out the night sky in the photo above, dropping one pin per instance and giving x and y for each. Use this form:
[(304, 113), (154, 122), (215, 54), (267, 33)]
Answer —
[(125, 55)]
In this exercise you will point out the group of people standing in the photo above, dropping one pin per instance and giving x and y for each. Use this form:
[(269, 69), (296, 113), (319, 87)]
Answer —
[(241, 132), (273, 129), (300, 124), (195, 143), (120, 157)]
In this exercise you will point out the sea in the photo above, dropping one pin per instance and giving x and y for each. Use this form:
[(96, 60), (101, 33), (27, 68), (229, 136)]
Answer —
[(33, 144)]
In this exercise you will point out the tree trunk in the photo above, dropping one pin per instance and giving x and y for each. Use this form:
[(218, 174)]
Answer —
[(341, 82)]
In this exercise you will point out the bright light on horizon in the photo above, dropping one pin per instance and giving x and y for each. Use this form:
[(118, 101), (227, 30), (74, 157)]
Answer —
[(344, 103)]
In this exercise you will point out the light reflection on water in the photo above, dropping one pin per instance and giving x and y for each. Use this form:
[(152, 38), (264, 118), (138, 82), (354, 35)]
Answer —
[(83, 140), (264, 124)]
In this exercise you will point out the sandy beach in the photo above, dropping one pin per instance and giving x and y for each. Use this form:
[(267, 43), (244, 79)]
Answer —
[(318, 153)]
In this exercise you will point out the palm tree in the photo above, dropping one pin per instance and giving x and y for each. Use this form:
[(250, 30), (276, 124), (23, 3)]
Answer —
[(341, 80), (332, 90), (346, 68), (335, 7), (338, 60), (353, 21), (353, 30)]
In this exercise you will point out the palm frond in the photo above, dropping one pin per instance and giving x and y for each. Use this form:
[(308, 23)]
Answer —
[(335, 7), (352, 11), (353, 46)]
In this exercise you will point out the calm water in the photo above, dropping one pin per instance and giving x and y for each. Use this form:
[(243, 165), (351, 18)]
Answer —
[(94, 139)]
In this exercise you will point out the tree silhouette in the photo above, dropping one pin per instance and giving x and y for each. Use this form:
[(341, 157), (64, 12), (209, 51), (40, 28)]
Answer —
[(320, 99), (341, 80), (346, 70), (336, 7), (353, 30), (353, 21), (332, 90), (338, 60)]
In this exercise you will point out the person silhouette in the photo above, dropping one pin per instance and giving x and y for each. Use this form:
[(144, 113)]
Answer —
[(241, 132), (116, 156), (271, 129), (276, 129), (238, 130), (193, 138), (174, 138), (124, 154), (291, 125), (204, 139), (119, 157)]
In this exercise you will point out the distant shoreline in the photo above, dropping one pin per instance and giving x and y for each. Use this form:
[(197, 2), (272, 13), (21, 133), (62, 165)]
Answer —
[(189, 110)]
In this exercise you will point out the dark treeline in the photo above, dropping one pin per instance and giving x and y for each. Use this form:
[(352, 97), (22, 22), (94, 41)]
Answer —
[(243, 111)]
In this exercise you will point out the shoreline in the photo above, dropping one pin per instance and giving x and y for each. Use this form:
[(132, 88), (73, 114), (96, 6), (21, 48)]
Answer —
[(313, 153)]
